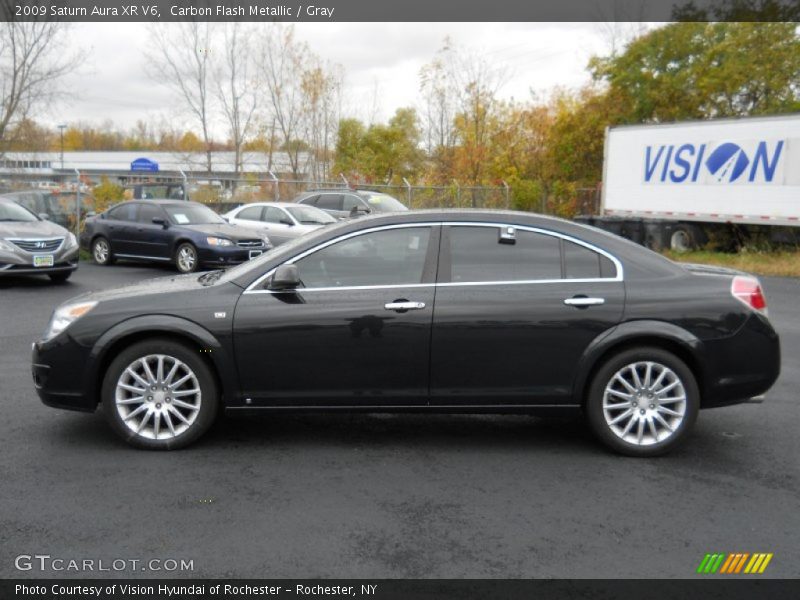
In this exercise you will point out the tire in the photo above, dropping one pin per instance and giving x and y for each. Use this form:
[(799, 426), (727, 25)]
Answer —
[(682, 240), (60, 277), (186, 258), (637, 430), (101, 251), (168, 418)]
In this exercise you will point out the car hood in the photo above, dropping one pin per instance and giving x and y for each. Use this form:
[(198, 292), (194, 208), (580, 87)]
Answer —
[(148, 287), (226, 230), (18, 229)]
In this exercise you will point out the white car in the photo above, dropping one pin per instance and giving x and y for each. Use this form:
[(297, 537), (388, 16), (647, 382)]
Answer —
[(283, 221)]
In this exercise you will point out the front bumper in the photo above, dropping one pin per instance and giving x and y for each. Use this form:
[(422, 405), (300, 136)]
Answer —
[(21, 263), (66, 387), (222, 256)]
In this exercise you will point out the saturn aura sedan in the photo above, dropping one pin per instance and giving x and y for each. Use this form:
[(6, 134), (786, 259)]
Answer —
[(32, 245), (282, 221), (462, 311), (186, 234)]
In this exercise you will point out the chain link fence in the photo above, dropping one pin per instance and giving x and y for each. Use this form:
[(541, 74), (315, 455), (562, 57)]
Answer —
[(68, 198)]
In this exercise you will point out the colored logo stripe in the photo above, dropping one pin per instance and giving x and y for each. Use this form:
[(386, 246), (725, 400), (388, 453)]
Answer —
[(734, 563)]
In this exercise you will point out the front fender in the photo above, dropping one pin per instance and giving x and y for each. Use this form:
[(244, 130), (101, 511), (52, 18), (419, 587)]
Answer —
[(213, 348), (643, 331)]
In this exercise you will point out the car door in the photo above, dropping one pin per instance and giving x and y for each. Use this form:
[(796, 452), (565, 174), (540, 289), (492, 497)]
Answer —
[(279, 225), (516, 308), (150, 239), (119, 225), (357, 333)]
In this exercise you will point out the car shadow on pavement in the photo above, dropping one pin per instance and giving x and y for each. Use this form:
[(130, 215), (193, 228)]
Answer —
[(374, 430)]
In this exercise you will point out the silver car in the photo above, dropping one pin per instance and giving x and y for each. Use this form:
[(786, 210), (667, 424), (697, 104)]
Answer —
[(283, 221), (31, 245)]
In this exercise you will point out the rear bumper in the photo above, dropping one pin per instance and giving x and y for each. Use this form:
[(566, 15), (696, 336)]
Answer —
[(742, 367)]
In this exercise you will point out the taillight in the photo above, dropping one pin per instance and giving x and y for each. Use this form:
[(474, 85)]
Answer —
[(748, 290)]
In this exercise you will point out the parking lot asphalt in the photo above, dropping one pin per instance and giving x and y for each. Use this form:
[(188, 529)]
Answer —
[(384, 496)]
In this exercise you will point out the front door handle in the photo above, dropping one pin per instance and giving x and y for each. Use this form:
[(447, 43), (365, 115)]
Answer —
[(404, 305), (584, 301)]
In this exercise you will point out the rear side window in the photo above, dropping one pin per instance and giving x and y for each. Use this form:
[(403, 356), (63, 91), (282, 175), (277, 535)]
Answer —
[(124, 212), (251, 213), (330, 202), (582, 263), (476, 255)]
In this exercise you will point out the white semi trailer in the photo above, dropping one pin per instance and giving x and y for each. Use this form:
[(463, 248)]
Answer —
[(673, 185)]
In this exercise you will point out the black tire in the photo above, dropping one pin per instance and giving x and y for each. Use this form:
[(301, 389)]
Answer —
[(182, 254), (102, 253), (60, 277), (201, 417), (642, 404), (682, 240)]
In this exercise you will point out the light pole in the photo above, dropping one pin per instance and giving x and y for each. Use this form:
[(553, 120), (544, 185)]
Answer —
[(61, 128)]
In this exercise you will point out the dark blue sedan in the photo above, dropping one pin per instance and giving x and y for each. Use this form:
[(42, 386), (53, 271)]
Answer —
[(187, 234)]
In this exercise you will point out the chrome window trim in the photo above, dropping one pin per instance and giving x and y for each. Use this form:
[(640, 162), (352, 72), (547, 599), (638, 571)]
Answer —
[(617, 264)]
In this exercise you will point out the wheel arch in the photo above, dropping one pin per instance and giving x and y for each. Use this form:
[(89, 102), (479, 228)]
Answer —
[(184, 331), (659, 334)]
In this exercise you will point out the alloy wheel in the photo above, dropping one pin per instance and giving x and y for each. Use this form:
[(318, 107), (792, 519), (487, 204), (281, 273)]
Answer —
[(158, 397), (644, 403), (186, 258), (101, 251)]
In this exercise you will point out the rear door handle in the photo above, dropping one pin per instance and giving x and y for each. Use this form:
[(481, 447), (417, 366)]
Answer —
[(583, 301), (404, 305)]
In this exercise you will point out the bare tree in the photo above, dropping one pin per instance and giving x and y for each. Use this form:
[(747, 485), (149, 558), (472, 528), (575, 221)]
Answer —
[(182, 58), (283, 60), (32, 63), (322, 88), (237, 88)]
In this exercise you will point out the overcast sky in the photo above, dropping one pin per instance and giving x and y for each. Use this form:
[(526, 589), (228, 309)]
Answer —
[(381, 63)]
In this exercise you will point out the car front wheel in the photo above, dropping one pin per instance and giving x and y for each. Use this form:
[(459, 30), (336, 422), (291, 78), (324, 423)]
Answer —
[(159, 395), (186, 258), (643, 402)]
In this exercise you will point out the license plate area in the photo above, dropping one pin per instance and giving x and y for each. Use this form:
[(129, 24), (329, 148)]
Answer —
[(43, 260)]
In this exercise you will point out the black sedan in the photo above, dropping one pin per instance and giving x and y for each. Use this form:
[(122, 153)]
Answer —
[(187, 234), (478, 311)]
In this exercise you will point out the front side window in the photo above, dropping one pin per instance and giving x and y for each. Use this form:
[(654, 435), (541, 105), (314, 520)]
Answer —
[(147, 212), (477, 254), (351, 202), (388, 257), (330, 201), (273, 214)]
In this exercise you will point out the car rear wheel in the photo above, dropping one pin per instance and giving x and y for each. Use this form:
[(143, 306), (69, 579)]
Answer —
[(186, 258), (643, 402), (159, 395), (101, 251)]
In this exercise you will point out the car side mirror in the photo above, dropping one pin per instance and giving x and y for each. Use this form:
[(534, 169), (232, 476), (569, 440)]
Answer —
[(161, 221), (44, 216), (285, 277), (91, 213), (359, 210)]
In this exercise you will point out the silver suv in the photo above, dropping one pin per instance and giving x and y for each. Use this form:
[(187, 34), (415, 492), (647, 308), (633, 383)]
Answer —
[(30, 245)]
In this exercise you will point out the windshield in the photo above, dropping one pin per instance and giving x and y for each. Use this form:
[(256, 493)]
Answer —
[(383, 202), (14, 212), (309, 215), (192, 214)]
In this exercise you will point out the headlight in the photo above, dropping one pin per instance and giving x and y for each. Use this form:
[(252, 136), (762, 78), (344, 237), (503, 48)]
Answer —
[(215, 241), (64, 316), (265, 240), (4, 245), (70, 240)]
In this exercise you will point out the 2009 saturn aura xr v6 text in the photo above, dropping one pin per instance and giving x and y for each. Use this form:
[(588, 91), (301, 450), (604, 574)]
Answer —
[(478, 311)]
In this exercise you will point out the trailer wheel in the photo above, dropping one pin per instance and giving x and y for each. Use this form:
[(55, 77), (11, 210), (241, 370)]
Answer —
[(682, 240)]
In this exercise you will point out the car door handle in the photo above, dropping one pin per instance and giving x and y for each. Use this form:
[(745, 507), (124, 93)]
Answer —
[(403, 305), (584, 301)]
